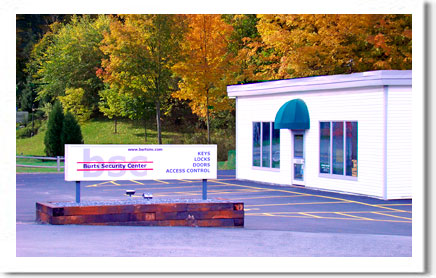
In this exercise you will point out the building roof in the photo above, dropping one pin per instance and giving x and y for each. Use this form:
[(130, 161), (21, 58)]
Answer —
[(327, 82)]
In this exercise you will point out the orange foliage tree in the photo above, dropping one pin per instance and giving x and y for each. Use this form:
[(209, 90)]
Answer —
[(205, 66), (307, 45)]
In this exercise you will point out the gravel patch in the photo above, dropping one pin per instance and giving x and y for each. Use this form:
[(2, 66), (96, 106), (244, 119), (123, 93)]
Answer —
[(133, 202)]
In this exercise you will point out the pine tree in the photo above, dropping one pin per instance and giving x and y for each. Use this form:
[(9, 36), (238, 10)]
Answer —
[(52, 139), (71, 132)]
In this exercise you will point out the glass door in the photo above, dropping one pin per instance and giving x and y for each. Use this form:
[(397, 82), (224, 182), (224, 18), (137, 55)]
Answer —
[(298, 159)]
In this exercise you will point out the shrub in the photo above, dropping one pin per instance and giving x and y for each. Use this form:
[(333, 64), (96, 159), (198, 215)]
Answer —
[(52, 139), (71, 132), (26, 131)]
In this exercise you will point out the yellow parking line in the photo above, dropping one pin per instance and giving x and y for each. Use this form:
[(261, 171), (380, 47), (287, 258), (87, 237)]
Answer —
[(318, 212), (98, 184), (137, 182), (335, 218), (349, 215), (268, 197), (394, 205), (162, 181), (290, 204), (310, 215), (394, 216), (320, 196), (185, 180)]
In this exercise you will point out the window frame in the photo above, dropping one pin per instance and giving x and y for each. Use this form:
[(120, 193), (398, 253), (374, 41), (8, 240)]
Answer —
[(270, 168), (331, 175)]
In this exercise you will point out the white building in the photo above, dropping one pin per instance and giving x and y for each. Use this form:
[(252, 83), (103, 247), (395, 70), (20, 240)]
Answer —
[(348, 133)]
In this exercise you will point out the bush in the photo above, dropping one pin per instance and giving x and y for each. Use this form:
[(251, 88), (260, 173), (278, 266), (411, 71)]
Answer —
[(224, 139), (26, 131), (71, 132), (52, 139)]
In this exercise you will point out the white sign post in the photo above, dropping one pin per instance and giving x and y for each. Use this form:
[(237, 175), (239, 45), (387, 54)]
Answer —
[(139, 162)]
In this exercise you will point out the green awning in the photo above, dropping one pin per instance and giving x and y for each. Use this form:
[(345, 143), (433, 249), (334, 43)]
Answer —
[(293, 115)]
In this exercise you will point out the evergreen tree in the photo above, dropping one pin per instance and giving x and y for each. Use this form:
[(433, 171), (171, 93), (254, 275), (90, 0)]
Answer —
[(52, 139), (71, 132)]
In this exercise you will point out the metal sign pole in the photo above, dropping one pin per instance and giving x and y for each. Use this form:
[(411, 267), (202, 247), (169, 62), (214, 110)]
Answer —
[(204, 189), (77, 191)]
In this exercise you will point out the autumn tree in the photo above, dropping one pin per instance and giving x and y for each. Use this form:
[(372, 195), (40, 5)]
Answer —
[(308, 45), (67, 58), (206, 66), (30, 28), (74, 101), (141, 50), (112, 105)]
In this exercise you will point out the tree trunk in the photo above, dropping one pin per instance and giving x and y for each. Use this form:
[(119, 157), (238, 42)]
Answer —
[(145, 129), (207, 117), (159, 135), (115, 122)]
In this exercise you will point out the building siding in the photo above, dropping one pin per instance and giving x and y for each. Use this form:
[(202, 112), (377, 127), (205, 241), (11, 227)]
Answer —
[(364, 105), (399, 147)]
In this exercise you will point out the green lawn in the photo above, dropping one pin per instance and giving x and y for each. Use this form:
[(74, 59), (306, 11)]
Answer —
[(99, 132), (102, 132), (37, 162)]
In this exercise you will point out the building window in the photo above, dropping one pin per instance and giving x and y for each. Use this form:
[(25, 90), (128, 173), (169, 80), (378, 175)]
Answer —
[(324, 148), (266, 145), (275, 155), (256, 144), (338, 148)]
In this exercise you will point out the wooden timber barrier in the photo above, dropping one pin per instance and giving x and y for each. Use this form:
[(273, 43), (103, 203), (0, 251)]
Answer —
[(201, 214)]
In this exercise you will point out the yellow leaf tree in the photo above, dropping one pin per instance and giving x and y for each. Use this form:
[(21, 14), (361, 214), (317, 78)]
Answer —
[(205, 66), (307, 45), (141, 50)]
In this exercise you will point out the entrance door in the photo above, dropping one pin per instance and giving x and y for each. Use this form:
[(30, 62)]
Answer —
[(298, 159)]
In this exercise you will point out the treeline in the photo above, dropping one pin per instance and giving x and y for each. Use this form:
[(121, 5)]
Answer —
[(143, 66)]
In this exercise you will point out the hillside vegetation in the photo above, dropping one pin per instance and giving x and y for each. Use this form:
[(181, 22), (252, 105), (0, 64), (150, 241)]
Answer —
[(101, 131)]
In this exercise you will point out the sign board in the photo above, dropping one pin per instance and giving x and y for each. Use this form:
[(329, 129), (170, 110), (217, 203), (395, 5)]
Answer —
[(140, 162)]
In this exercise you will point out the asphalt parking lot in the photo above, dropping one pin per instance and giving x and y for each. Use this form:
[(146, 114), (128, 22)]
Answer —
[(268, 209)]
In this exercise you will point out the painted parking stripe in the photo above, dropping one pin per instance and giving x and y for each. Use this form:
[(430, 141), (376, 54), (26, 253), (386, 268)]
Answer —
[(394, 216), (265, 197), (325, 212), (354, 216), (394, 205), (162, 181), (310, 215), (326, 197), (137, 182), (334, 218), (291, 204)]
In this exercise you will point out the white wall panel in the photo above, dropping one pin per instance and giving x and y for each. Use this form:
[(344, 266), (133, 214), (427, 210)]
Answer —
[(362, 105), (399, 147)]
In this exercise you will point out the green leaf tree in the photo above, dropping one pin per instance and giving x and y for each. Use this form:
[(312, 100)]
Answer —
[(141, 51), (74, 101), (113, 105), (52, 140), (67, 58)]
